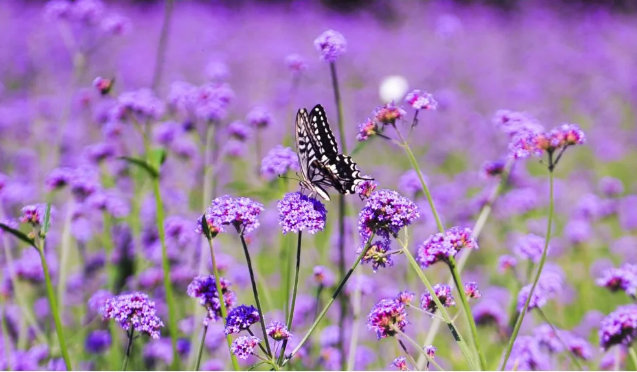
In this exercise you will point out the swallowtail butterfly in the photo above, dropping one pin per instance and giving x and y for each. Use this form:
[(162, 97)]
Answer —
[(322, 166)]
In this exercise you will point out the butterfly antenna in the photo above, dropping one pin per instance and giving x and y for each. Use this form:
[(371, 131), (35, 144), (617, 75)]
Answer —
[(289, 178)]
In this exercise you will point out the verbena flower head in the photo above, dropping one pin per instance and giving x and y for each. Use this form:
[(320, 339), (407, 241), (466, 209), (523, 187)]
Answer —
[(538, 299), (488, 312), (493, 168), (421, 100), (528, 143), (441, 247), (530, 247), (241, 318), (471, 290), (579, 347), (98, 341), (377, 255), (527, 355), (33, 214), (514, 122), (431, 351), (367, 129), (242, 213), (298, 212), (58, 178), (405, 297), (279, 161), (244, 346), (506, 263), (400, 363), (366, 188), (385, 315), (409, 183), (388, 113), (549, 339), (134, 310), (331, 45), (103, 85), (204, 289), (296, 64), (259, 117), (623, 278), (619, 327), (143, 104), (239, 131), (443, 292), (98, 299), (611, 187), (385, 213), (323, 276), (278, 331)]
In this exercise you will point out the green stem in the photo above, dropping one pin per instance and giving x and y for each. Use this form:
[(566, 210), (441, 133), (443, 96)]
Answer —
[(130, 333), (633, 356), (55, 311), (456, 335), (294, 291), (201, 344), (409, 357), (163, 41), (403, 335), (518, 323), (224, 310), (555, 331), (467, 311), (331, 301), (256, 293)]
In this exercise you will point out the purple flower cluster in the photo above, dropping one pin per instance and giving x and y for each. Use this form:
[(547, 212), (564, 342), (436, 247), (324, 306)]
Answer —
[(278, 331), (377, 254), (241, 318), (242, 213), (296, 64), (441, 247), (527, 143), (387, 316), (443, 292), (400, 363), (405, 297), (278, 161), (493, 168), (421, 100), (142, 104), (388, 114), (323, 276), (298, 212), (244, 346), (204, 288), (98, 341), (366, 129), (623, 278), (366, 188), (385, 213), (33, 214), (331, 45), (515, 122), (472, 291), (530, 247), (133, 310), (619, 327), (259, 117)]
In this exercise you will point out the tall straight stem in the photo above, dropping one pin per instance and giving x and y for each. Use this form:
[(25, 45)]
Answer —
[(633, 356), (331, 301), (129, 347), (201, 344), (256, 294), (222, 302), (518, 323), (294, 291), (163, 41)]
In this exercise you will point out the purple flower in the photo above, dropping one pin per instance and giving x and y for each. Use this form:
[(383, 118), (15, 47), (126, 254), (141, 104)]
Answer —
[(204, 288), (377, 255), (387, 316), (158, 351), (259, 117), (366, 188), (116, 25), (514, 123), (278, 161), (323, 276), (331, 44), (298, 212), (400, 363), (579, 347), (239, 131), (278, 331), (443, 292), (98, 299), (388, 114), (98, 152), (506, 262), (527, 355), (143, 104), (366, 129), (134, 310), (33, 214), (619, 327), (471, 290), (296, 64), (441, 247), (241, 318), (431, 351), (421, 100), (488, 312), (98, 341), (623, 278), (385, 213), (493, 168), (242, 213), (409, 183), (530, 247), (405, 297), (244, 346), (548, 338), (578, 231), (538, 299), (103, 85), (611, 187), (529, 143)]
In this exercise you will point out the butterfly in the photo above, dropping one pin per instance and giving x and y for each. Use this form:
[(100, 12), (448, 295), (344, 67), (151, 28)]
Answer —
[(322, 166)]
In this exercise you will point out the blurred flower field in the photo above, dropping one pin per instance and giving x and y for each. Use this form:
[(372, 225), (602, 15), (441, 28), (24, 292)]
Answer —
[(152, 219)]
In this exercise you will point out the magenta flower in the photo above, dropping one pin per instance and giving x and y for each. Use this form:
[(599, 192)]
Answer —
[(421, 100), (244, 346), (134, 310), (387, 316), (331, 45)]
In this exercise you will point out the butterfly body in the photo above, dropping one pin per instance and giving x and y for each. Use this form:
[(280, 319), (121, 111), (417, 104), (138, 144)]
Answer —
[(322, 166)]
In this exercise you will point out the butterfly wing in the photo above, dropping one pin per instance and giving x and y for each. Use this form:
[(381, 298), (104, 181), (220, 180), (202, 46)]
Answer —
[(344, 174), (306, 151), (321, 135)]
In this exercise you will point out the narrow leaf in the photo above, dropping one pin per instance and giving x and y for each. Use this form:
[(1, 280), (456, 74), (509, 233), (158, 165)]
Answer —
[(18, 234), (204, 226), (47, 219), (157, 157), (142, 164)]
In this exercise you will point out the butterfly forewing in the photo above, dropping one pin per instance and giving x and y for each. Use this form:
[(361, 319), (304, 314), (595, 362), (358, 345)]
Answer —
[(322, 136), (305, 147)]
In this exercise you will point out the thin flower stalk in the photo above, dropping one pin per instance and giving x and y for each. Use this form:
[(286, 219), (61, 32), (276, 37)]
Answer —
[(633, 355), (404, 336), (201, 345), (407, 354), (131, 337), (297, 269), (570, 353)]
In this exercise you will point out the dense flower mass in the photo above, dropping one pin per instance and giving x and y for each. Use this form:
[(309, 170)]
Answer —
[(386, 317), (385, 213), (242, 213), (623, 278), (243, 347), (619, 327), (278, 331), (134, 310), (421, 100), (443, 292), (331, 45), (298, 212), (241, 318), (204, 289), (278, 161), (441, 247)]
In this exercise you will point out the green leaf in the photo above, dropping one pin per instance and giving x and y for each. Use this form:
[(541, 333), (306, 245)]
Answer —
[(47, 219), (157, 157), (204, 227), (18, 234), (142, 164)]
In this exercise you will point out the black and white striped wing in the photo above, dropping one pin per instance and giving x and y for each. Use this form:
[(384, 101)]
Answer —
[(321, 135), (343, 174), (306, 151)]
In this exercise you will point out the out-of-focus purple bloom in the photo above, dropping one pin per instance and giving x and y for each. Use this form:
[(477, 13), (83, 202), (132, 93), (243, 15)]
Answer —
[(518, 202), (628, 212), (29, 266), (431, 351), (400, 363), (278, 161), (385, 213), (421, 100), (530, 247), (611, 187), (506, 262), (259, 117), (388, 113), (377, 254), (217, 71), (239, 131), (242, 213), (588, 207), (442, 247), (538, 299), (103, 85), (33, 214), (527, 355), (98, 299), (134, 310), (366, 188), (204, 289), (55, 364), (278, 331), (116, 25), (387, 316), (323, 276), (235, 148), (471, 290), (241, 318), (367, 129), (158, 351), (578, 231), (548, 338), (329, 336), (409, 183), (405, 297), (579, 347), (98, 152), (514, 122), (488, 312), (298, 212), (623, 278), (143, 104), (244, 346), (213, 365), (619, 327), (296, 64), (331, 45), (183, 346), (493, 168), (98, 341), (443, 292)]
